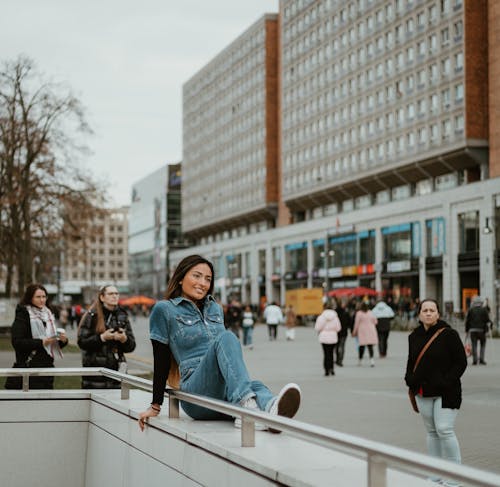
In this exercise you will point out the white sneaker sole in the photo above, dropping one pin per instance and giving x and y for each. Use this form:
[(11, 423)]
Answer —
[(288, 402)]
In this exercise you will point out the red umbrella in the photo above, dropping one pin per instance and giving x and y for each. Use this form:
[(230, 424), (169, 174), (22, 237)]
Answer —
[(133, 300), (352, 291)]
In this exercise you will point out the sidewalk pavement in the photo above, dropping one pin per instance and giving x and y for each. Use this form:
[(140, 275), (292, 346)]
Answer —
[(359, 400)]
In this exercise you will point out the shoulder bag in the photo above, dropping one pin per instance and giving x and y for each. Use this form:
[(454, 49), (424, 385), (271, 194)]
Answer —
[(411, 394), (16, 382)]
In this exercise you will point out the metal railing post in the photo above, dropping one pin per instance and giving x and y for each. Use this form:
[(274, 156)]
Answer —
[(173, 407), (247, 432), (125, 391), (26, 382), (377, 471)]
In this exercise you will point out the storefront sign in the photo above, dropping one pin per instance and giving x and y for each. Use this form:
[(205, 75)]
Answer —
[(366, 269), (335, 272), (399, 266), (350, 270)]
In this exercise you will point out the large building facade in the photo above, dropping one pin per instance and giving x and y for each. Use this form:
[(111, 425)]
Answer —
[(154, 229), (384, 162), (98, 257)]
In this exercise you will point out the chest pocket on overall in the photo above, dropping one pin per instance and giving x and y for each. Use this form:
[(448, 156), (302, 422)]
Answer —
[(190, 329)]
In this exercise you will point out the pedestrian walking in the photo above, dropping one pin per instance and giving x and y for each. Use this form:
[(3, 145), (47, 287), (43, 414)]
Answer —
[(247, 325), (433, 375), (384, 314), (273, 316), (290, 322), (188, 326), (346, 324), (327, 326), (477, 325), (365, 328)]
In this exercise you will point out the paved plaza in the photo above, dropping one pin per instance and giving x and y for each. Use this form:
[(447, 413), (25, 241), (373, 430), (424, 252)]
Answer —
[(360, 400)]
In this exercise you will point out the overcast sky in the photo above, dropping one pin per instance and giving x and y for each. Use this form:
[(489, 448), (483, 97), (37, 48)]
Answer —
[(126, 60)]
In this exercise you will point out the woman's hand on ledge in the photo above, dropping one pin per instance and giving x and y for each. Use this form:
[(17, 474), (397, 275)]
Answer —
[(152, 411)]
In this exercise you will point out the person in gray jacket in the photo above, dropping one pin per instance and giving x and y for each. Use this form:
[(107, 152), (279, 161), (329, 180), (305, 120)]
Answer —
[(477, 325)]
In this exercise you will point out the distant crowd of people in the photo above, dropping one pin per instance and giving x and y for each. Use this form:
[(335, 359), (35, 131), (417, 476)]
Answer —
[(241, 319)]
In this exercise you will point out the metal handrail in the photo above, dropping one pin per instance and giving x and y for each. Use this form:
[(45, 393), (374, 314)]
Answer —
[(379, 457)]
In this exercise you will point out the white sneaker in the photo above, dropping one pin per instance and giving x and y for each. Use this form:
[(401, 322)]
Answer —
[(250, 403), (286, 403)]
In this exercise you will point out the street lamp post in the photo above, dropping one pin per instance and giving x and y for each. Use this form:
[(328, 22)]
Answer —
[(326, 255)]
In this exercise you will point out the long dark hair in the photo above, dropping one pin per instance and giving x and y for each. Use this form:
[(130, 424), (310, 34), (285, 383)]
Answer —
[(98, 308), (30, 292), (174, 288)]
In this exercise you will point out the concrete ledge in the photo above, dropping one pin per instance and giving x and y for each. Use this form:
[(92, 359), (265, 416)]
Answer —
[(170, 452)]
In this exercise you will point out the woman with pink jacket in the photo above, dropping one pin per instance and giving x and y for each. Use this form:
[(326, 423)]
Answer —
[(328, 325), (365, 328)]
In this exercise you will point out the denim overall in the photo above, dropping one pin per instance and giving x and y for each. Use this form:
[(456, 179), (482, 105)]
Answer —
[(210, 357)]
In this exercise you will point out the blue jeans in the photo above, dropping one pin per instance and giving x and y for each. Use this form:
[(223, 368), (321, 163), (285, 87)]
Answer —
[(222, 374), (247, 335), (439, 423)]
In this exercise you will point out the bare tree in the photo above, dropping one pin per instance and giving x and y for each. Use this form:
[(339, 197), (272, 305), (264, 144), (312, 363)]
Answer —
[(41, 124)]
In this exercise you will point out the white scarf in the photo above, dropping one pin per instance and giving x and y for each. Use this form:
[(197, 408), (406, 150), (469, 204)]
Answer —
[(42, 323)]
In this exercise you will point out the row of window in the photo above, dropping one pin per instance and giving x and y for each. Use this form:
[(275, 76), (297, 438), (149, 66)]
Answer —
[(249, 199), (229, 69), (297, 130), (206, 136), (329, 47), (296, 175), (296, 152), (350, 83), (365, 23), (421, 188), (223, 94), (209, 151)]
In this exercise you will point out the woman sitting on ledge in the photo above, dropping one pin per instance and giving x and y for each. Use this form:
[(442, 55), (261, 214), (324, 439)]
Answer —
[(189, 327)]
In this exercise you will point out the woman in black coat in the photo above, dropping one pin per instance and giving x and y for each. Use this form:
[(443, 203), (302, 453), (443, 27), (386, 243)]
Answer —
[(34, 335), (436, 380), (104, 335)]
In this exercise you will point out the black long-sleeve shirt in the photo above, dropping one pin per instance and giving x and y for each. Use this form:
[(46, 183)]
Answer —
[(161, 358)]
